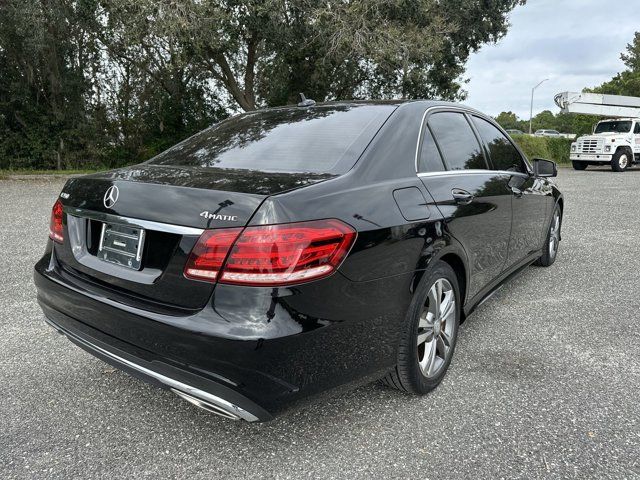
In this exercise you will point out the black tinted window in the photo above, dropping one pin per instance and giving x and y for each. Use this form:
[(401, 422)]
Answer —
[(637, 128), (318, 140), (504, 155), (430, 159), (457, 142)]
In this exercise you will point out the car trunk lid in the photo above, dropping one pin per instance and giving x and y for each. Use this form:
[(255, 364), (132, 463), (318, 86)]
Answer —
[(171, 206)]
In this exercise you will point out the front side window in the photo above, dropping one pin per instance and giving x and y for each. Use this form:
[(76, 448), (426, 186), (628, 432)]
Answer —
[(637, 128), (504, 156), (613, 126), (457, 142)]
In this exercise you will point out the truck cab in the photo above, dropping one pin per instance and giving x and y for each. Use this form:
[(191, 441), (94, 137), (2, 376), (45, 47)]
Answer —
[(615, 141)]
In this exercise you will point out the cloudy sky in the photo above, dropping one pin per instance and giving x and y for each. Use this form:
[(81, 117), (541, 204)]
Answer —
[(574, 43)]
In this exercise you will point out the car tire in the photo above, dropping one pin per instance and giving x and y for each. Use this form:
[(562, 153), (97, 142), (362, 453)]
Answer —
[(552, 241), (620, 161), (580, 165), (428, 339)]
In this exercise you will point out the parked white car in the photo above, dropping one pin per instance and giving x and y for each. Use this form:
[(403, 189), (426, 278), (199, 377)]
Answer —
[(547, 133)]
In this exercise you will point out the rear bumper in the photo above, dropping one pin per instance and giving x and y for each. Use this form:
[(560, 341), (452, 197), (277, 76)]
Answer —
[(251, 352), (199, 391)]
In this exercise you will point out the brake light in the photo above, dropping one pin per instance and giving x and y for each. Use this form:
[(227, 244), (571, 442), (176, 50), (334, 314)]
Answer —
[(56, 231), (207, 257), (282, 254)]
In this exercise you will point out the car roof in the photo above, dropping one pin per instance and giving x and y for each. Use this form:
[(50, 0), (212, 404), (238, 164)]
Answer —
[(399, 102)]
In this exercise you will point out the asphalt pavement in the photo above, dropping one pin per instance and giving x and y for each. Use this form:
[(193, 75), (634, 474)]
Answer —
[(545, 382)]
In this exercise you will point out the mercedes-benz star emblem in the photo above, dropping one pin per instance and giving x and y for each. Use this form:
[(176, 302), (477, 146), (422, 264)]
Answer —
[(111, 196)]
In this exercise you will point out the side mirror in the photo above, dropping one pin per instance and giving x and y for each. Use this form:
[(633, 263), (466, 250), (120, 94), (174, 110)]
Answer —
[(544, 168)]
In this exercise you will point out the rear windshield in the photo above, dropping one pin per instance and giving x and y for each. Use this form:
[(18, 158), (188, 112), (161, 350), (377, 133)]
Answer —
[(613, 127), (325, 139)]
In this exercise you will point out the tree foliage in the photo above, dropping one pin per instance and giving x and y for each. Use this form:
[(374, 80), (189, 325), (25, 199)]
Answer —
[(110, 82), (562, 122), (509, 120)]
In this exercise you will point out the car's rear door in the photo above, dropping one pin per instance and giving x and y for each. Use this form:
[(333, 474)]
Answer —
[(530, 195), (474, 200)]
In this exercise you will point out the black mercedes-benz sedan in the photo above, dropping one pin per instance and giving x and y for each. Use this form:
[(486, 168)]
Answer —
[(292, 251)]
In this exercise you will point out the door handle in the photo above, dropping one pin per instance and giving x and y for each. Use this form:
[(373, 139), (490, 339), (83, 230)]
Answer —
[(462, 197)]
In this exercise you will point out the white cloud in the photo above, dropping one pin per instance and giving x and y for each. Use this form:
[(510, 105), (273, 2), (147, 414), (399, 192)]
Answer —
[(573, 43)]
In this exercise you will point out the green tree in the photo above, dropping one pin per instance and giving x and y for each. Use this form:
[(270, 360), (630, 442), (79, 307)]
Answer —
[(632, 58), (544, 119), (575, 123), (508, 120), (110, 82), (68, 101), (263, 52), (43, 111)]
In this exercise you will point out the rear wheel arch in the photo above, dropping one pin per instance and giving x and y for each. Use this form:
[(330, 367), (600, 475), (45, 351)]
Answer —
[(458, 266), (455, 260), (560, 204)]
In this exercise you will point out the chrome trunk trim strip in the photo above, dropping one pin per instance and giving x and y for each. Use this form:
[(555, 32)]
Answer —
[(136, 222)]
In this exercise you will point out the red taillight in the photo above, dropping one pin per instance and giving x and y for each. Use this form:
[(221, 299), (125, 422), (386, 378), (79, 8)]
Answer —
[(207, 257), (278, 254), (56, 231)]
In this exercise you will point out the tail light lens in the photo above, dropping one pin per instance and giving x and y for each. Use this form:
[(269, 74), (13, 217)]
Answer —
[(277, 255), (56, 231), (207, 257)]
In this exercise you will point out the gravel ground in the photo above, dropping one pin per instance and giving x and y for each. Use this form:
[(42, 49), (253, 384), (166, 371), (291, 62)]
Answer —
[(545, 382)]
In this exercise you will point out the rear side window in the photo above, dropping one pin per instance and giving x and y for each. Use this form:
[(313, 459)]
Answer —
[(504, 155), (430, 159), (457, 142), (325, 139)]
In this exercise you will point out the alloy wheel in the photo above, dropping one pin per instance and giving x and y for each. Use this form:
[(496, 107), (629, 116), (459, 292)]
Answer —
[(436, 328), (554, 234)]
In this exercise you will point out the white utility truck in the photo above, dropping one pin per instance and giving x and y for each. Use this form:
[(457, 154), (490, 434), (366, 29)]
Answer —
[(616, 140)]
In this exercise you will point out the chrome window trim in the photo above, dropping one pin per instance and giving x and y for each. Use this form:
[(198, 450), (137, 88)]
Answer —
[(466, 111), (446, 173), (145, 224)]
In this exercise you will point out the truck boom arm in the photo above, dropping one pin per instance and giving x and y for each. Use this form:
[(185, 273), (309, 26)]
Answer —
[(598, 104)]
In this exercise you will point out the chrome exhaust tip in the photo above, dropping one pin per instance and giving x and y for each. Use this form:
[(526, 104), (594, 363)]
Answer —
[(209, 407)]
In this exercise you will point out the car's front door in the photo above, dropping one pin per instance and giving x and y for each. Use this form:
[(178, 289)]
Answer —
[(531, 196), (474, 201)]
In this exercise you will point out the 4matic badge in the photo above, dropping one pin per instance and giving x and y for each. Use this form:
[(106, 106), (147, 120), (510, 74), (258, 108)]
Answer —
[(216, 216)]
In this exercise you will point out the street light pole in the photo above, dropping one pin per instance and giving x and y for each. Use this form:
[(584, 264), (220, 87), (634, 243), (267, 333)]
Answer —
[(531, 110)]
